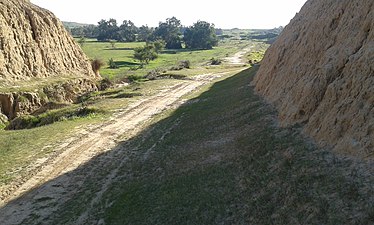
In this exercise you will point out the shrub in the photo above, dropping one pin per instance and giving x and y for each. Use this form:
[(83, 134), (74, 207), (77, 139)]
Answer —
[(49, 117), (214, 61), (96, 66), (133, 78), (145, 54), (105, 84), (152, 75), (113, 43), (182, 65), (112, 64)]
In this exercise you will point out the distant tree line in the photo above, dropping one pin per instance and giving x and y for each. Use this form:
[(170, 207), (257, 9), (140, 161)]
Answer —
[(201, 35), (267, 34)]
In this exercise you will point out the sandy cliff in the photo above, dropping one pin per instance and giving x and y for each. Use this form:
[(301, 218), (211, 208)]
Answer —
[(320, 73), (34, 48), (34, 43)]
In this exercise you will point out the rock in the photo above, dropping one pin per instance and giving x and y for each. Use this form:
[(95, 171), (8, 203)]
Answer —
[(35, 44), (320, 73)]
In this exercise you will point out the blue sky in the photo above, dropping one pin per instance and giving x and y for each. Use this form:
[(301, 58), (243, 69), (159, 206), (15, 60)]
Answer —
[(224, 14)]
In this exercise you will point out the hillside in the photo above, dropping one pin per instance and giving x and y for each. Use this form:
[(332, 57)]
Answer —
[(34, 43), (39, 60), (319, 73)]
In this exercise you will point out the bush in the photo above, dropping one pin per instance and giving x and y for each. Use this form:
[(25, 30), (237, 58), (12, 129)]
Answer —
[(133, 78), (30, 121), (145, 54), (112, 64), (214, 61), (152, 75), (105, 84), (182, 65), (185, 64), (96, 66)]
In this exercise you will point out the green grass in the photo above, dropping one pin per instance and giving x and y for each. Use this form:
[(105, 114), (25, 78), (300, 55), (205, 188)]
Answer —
[(122, 55), (56, 115), (19, 148), (22, 147), (220, 159)]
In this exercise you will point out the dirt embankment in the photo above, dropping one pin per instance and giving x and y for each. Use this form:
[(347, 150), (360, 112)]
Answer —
[(34, 43), (35, 47), (320, 73), (15, 104)]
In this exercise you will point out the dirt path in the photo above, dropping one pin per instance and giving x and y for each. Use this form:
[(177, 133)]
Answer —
[(85, 146), (237, 59), (43, 194)]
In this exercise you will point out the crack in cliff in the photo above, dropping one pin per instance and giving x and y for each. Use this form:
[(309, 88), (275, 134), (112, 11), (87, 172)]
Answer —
[(32, 24)]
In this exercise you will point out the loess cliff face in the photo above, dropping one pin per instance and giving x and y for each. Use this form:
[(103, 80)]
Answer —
[(36, 49), (34, 43), (320, 72)]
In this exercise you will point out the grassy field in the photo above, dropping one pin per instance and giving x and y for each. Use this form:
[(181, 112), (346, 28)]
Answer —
[(20, 147), (122, 55), (221, 159)]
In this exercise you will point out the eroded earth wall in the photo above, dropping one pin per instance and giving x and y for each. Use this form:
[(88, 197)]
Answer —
[(34, 43), (320, 73)]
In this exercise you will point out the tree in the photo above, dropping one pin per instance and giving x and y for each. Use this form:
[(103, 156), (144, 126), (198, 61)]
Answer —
[(201, 35), (89, 31), (128, 31), (146, 53), (169, 31), (145, 34), (219, 31), (107, 30), (159, 45)]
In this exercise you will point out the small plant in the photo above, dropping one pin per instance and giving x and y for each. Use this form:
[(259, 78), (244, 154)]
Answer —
[(214, 61), (152, 75), (113, 43), (105, 84), (96, 66), (133, 78), (3, 121), (184, 64), (82, 41), (112, 64)]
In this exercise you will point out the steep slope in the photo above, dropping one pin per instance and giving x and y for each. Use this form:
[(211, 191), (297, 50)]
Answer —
[(320, 73), (34, 43)]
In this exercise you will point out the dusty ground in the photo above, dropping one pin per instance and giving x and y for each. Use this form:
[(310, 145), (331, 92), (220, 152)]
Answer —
[(237, 59), (41, 194)]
